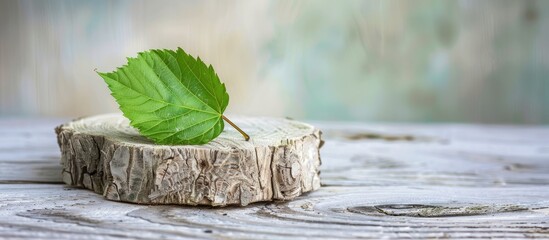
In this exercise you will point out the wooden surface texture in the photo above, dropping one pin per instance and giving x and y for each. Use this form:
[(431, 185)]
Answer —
[(378, 181), (279, 162)]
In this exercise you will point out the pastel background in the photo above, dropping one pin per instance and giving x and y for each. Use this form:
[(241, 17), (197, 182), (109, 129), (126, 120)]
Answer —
[(399, 60)]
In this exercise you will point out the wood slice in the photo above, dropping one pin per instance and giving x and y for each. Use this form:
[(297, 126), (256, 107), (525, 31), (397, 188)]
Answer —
[(280, 162)]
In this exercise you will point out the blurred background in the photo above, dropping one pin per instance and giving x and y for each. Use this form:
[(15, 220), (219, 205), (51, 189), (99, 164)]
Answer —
[(398, 61)]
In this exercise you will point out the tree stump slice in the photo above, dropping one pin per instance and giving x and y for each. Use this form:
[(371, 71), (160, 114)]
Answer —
[(105, 154)]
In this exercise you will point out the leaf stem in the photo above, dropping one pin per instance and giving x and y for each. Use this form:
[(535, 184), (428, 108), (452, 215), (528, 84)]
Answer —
[(246, 137)]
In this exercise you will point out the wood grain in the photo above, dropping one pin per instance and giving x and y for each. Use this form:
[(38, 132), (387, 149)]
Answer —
[(104, 154), (27, 153), (379, 181)]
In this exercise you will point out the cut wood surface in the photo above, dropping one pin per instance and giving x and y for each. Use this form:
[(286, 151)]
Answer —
[(104, 154), (378, 181)]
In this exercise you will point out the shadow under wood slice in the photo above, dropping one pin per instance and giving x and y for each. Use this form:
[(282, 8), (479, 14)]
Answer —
[(104, 154)]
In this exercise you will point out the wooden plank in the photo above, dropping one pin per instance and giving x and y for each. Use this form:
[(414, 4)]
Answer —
[(405, 181), (29, 151), (332, 212)]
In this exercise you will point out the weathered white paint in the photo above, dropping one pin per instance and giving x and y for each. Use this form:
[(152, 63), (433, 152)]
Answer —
[(379, 181)]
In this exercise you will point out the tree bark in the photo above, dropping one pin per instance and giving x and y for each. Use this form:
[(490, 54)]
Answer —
[(104, 154)]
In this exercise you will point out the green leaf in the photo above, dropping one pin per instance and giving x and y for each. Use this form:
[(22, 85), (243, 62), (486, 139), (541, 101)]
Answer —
[(170, 97)]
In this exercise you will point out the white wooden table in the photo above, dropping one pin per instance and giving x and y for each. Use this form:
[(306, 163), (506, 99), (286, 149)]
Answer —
[(379, 181)]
